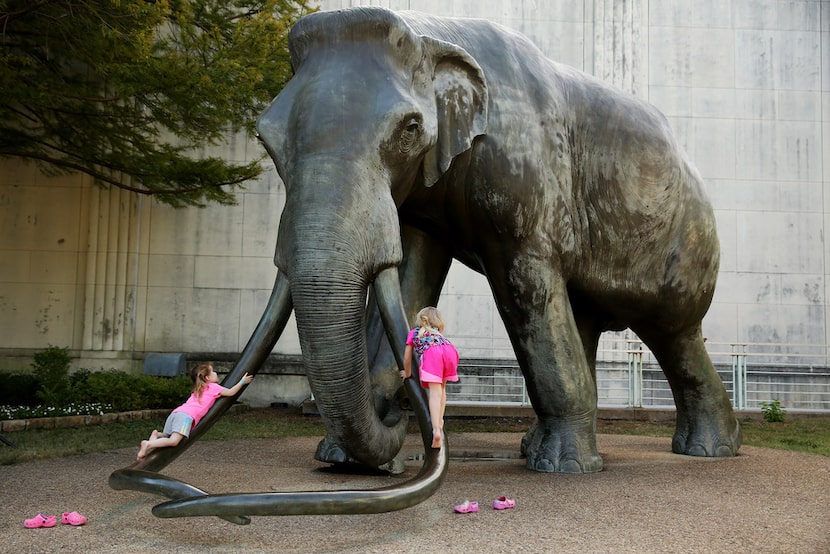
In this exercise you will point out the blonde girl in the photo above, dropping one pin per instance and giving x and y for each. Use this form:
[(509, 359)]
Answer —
[(206, 390), (437, 364)]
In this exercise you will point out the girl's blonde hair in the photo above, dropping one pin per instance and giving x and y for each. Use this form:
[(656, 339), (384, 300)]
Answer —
[(199, 375), (427, 318)]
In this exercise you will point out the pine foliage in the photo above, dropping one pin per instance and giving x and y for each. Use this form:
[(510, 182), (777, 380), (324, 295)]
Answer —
[(132, 92)]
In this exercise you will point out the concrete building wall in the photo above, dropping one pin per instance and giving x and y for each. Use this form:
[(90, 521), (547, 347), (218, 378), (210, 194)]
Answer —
[(744, 83)]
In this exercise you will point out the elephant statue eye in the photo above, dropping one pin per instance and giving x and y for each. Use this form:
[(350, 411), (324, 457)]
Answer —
[(409, 135)]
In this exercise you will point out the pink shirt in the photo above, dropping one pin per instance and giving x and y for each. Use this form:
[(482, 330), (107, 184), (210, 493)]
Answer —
[(198, 407)]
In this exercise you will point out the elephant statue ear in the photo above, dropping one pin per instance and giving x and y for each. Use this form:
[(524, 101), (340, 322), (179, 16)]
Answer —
[(460, 103)]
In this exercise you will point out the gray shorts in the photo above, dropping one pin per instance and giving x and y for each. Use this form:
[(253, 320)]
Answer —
[(178, 422)]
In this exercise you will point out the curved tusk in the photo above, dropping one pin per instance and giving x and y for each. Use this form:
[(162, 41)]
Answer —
[(149, 481), (395, 497), (393, 314), (386, 499), (259, 347)]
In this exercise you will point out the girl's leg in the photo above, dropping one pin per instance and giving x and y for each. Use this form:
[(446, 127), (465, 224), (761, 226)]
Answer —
[(450, 360), (436, 412), (159, 442), (443, 402)]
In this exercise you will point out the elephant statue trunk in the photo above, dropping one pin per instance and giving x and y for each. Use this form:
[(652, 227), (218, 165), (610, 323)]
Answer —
[(331, 256), (335, 356)]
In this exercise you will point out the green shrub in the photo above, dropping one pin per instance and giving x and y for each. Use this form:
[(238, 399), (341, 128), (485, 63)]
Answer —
[(773, 412), (85, 391), (79, 377), (18, 389), (125, 391), (52, 372), (115, 388), (164, 392)]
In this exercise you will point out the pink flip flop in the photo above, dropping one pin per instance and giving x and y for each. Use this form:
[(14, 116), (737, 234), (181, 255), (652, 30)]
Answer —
[(40, 520), (73, 518), (503, 503), (467, 507)]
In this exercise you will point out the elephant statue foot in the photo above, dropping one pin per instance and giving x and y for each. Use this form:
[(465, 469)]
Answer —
[(562, 445), (331, 453), (705, 436)]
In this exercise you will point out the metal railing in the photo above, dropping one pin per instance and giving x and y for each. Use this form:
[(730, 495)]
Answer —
[(628, 376)]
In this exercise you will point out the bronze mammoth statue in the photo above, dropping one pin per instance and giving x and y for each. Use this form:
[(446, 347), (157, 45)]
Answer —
[(406, 141)]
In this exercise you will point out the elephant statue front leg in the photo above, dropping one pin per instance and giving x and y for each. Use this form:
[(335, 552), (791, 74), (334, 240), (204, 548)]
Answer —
[(535, 308)]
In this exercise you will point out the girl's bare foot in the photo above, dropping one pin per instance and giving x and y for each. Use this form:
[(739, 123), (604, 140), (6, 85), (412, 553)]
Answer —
[(436, 439), (145, 449)]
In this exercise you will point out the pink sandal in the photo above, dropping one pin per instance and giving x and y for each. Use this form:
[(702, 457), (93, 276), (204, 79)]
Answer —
[(73, 518), (503, 503), (467, 507), (40, 520)]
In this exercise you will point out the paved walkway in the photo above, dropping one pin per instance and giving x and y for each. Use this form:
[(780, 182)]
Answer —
[(646, 500)]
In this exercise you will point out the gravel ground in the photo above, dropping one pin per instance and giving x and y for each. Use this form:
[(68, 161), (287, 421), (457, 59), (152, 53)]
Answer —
[(645, 500)]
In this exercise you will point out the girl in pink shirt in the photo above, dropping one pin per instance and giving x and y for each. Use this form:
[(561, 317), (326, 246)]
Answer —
[(206, 390), (437, 364)]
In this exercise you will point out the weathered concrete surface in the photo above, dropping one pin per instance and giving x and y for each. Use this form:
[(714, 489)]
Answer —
[(646, 500)]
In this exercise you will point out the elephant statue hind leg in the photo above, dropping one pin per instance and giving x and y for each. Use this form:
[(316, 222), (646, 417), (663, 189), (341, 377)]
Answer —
[(706, 425)]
